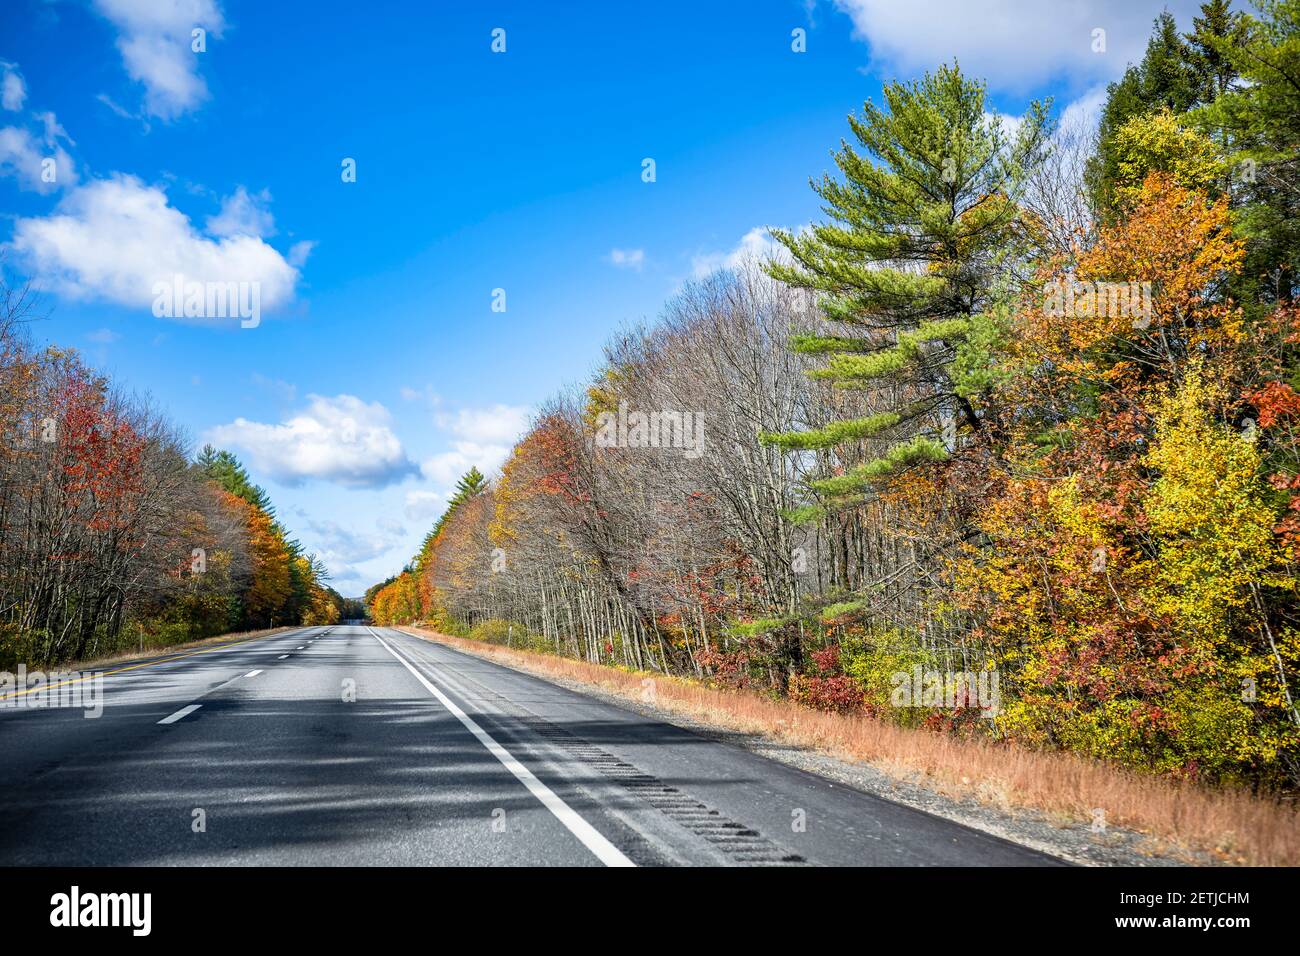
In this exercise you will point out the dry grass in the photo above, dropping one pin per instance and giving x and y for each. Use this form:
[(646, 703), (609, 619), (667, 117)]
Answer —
[(149, 653), (1232, 826)]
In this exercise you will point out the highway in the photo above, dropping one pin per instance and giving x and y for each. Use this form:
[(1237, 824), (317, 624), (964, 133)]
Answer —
[(354, 746)]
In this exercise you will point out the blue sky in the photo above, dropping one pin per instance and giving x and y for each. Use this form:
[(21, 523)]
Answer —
[(379, 371)]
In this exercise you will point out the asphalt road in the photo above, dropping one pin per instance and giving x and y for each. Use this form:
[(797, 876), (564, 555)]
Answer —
[(351, 745)]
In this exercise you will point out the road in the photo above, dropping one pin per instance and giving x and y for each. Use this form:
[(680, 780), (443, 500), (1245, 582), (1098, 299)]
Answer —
[(351, 745)]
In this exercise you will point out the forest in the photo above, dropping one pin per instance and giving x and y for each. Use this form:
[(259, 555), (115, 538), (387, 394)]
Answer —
[(112, 538), (1024, 403)]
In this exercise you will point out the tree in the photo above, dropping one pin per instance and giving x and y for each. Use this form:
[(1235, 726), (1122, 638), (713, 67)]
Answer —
[(1258, 123), (1170, 77), (914, 267)]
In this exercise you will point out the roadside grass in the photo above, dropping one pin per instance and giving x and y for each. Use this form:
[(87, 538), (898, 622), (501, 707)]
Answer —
[(160, 652), (1232, 826)]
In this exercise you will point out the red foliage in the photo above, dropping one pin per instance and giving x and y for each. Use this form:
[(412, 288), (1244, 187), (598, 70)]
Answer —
[(838, 694), (102, 457), (1275, 401)]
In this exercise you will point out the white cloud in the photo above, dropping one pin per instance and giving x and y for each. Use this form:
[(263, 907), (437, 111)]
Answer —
[(122, 111), (1015, 45), (497, 424), (54, 130), (23, 157), (243, 215), (299, 252), (114, 238), (421, 505), (103, 336), (446, 468), (342, 548), (1085, 112), (483, 440), (13, 91), (155, 42), (627, 258), (343, 440), (755, 245)]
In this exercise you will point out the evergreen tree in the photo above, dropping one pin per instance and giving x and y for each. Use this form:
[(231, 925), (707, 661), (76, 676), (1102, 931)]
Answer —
[(469, 484), (1167, 78), (1209, 48), (913, 266), (1259, 122), (225, 469)]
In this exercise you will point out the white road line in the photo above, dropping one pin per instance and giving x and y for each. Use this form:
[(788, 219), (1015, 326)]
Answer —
[(589, 836), (282, 657), (252, 673), (300, 647), (183, 712)]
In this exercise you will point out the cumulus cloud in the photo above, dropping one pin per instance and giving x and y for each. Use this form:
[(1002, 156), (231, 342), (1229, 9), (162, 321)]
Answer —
[(1016, 45), (342, 549), (1084, 113), (483, 438), (343, 440), (243, 214), (444, 469), (755, 245), (13, 90), (24, 157), (115, 238), (155, 42), (424, 504), (627, 258), (496, 424)]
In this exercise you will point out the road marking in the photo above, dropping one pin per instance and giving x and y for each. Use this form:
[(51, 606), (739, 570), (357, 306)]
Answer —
[(300, 647), (180, 714), (588, 835), (119, 670), (282, 657), (252, 673)]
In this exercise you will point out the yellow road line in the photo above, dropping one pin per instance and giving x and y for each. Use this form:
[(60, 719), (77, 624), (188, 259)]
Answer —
[(119, 670)]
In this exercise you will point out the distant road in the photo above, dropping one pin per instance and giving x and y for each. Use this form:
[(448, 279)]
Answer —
[(352, 745)]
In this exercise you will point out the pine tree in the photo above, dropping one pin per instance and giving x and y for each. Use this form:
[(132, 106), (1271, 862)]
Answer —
[(1259, 120), (923, 232), (1209, 45), (1168, 77), (226, 470)]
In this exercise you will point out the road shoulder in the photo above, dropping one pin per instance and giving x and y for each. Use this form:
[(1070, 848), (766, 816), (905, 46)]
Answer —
[(1067, 840)]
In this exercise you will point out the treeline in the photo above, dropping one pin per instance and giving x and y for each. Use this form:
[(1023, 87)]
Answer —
[(110, 538), (1025, 404)]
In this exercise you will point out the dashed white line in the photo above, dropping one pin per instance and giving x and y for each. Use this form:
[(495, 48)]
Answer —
[(180, 714), (282, 657), (589, 836), (252, 673)]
